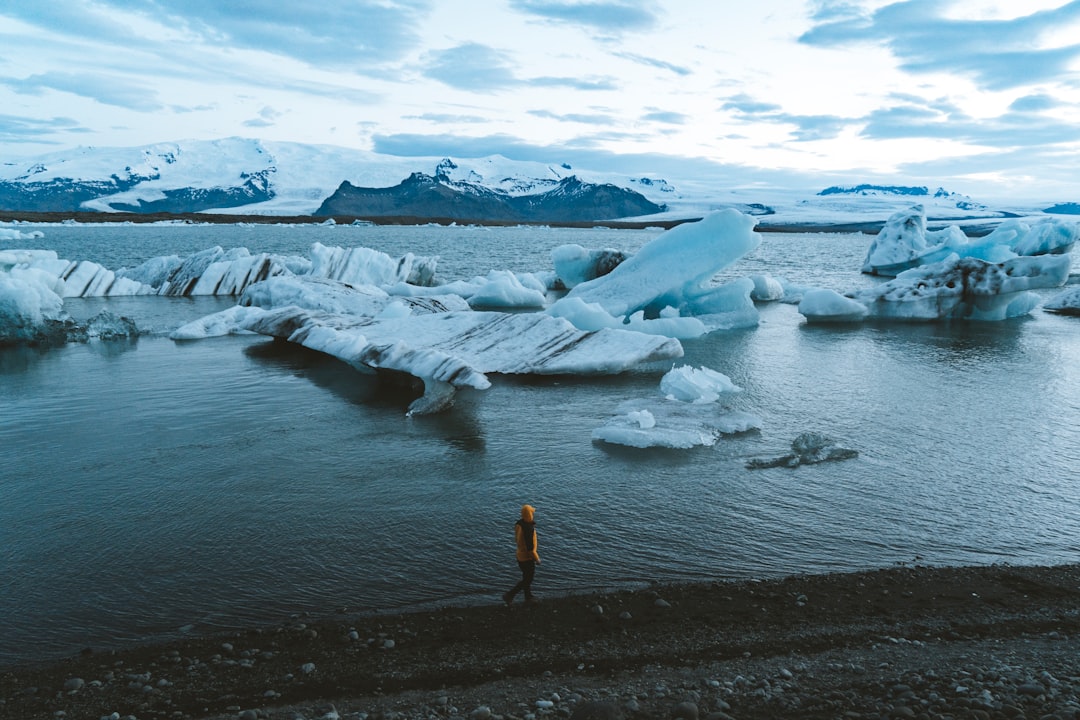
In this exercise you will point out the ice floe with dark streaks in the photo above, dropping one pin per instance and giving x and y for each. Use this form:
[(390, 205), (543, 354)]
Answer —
[(457, 349)]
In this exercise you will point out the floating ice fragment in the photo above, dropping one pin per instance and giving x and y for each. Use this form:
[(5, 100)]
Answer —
[(226, 322), (29, 304), (687, 417), (109, 326), (807, 449), (955, 288), (455, 349), (364, 266), (676, 269), (904, 243), (695, 385), (766, 288), (575, 264), (675, 425), (828, 306), (1066, 302)]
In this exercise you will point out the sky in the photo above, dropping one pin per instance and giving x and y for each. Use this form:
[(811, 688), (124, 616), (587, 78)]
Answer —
[(978, 96)]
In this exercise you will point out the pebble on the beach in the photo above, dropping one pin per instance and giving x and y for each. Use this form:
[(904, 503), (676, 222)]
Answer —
[(685, 711)]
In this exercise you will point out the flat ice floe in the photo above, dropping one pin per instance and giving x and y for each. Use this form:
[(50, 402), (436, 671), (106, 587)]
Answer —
[(457, 349), (687, 414)]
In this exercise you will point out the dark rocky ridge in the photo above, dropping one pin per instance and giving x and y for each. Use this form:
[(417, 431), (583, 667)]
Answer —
[(422, 195), (66, 195)]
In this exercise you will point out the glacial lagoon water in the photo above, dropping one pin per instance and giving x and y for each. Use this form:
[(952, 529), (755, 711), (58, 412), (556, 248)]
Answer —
[(155, 488)]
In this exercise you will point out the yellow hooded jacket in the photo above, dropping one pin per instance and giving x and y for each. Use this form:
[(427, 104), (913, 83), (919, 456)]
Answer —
[(525, 535)]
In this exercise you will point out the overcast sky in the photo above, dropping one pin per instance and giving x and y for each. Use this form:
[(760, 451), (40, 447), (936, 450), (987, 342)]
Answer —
[(981, 96)]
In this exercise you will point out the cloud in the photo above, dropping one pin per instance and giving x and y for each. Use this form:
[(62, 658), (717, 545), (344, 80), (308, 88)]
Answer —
[(108, 90), (481, 68), (338, 33), (807, 127), (16, 129), (613, 17), (443, 118), (1020, 127), (598, 84), (826, 11), (471, 66), (996, 54), (586, 119), (581, 152), (746, 105), (653, 62), (666, 116), (1013, 169), (1035, 103), (267, 117)]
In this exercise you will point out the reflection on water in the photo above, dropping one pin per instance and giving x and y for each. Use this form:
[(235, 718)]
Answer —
[(151, 485)]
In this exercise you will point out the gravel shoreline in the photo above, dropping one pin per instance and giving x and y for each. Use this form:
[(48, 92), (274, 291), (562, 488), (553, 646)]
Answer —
[(906, 642)]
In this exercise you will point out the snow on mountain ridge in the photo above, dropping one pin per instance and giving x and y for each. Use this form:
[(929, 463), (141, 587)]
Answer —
[(300, 176), (283, 178)]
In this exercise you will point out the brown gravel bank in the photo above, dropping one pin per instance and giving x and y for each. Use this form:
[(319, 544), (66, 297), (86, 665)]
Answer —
[(908, 642)]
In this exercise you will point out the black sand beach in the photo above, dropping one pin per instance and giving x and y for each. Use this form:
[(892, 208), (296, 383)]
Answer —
[(918, 642)]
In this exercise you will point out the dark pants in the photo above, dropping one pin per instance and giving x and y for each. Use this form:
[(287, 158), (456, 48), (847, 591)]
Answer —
[(528, 569)]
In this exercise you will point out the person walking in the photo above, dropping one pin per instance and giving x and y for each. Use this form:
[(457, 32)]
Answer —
[(527, 557)]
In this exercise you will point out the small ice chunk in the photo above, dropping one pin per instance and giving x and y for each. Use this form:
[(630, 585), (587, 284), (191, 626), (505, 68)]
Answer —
[(695, 385), (819, 305)]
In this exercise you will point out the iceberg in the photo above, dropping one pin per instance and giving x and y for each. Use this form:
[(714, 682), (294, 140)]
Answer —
[(11, 234), (671, 424), (675, 270), (696, 385), (32, 309), (828, 306), (766, 288), (457, 349), (954, 288), (592, 316), (226, 322), (1067, 302), (213, 271), (904, 243), (575, 264), (314, 293), (505, 289), (77, 278), (499, 289), (110, 326), (30, 305), (687, 416), (364, 266)]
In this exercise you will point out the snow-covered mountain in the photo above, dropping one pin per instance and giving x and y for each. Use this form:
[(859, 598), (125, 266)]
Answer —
[(242, 176), (247, 176), (419, 195)]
